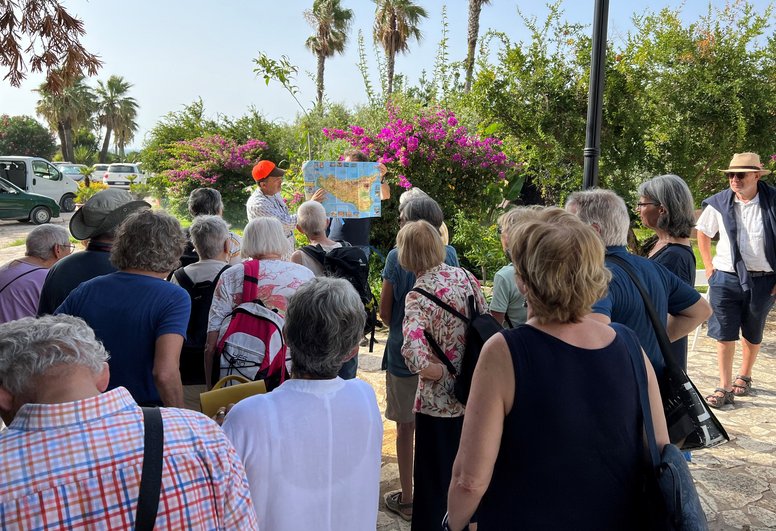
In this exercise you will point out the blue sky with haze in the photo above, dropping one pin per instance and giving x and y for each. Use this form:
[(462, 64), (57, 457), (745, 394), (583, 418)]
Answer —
[(175, 52)]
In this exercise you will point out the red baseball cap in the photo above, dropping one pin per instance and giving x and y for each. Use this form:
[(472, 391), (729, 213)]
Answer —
[(265, 169)]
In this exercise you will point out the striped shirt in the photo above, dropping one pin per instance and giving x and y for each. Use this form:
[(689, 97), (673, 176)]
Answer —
[(77, 465)]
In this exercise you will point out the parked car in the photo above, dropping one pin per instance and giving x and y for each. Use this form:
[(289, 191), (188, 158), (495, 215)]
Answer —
[(38, 176), (122, 174), (98, 170), (15, 203), (72, 170)]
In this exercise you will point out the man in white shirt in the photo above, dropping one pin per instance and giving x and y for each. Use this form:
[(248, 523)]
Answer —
[(742, 273)]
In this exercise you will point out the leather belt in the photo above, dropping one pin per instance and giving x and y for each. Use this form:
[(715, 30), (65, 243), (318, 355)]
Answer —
[(755, 274)]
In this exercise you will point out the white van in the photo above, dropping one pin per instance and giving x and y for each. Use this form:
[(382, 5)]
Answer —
[(39, 176)]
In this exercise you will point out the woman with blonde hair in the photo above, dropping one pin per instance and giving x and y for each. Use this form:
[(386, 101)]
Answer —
[(553, 431), (438, 414)]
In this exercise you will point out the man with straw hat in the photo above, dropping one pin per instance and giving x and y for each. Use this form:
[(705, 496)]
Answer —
[(95, 222), (742, 273)]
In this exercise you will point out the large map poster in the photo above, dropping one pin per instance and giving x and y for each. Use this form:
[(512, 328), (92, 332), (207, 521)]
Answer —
[(353, 187)]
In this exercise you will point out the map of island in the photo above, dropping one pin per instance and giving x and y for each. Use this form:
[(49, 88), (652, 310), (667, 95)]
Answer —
[(353, 187)]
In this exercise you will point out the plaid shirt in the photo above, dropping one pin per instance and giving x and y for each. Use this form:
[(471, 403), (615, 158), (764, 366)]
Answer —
[(77, 465)]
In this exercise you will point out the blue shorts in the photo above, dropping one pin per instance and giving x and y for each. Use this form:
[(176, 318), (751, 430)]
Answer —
[(735, 309)]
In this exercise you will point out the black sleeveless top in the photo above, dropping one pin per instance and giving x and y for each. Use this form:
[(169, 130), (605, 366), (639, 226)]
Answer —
[(571, 452)]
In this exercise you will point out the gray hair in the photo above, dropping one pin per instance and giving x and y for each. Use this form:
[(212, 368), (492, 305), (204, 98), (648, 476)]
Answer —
[(205, 201), (603, 209), (422, 209), (263, 236), (311, 217), (42, 239), (674, 196), (412, 193), (29, 347), (148, 240), (208, 234), (324, 323)]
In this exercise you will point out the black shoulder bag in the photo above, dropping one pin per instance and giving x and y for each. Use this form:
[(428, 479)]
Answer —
[(151, 476), (691, 424), (671, 497)]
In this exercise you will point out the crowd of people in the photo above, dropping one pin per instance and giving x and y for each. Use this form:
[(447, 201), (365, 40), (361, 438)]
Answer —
[(94, 342)]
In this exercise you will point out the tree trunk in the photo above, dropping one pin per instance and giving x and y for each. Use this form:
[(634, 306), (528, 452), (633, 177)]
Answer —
[(475, 7), (391, 55), (321, 64), (62, 142), (105, 145), (68, 145)]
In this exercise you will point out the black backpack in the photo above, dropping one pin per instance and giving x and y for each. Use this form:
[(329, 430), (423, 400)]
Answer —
[(192, 364), (480, 327), (350, 263)]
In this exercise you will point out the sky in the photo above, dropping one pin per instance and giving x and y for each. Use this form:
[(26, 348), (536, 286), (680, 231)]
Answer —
[(174, 52)]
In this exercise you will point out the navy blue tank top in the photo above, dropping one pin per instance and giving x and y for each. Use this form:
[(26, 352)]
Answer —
[(571, 451)]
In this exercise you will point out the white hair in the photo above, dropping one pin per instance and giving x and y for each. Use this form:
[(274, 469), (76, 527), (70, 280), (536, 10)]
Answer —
[(311, 217), (263, 236), (604, 209), (208, 234), (42, 239), (29, 347)]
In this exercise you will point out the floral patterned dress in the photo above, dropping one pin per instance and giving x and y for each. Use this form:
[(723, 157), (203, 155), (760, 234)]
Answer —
[(277, 281), (453, 285)]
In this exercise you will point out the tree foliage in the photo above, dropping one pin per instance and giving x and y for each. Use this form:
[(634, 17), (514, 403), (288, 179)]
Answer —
[(331, 23), (396, 23), (40, 35), (67, 110), (116, 113), (25, 136)]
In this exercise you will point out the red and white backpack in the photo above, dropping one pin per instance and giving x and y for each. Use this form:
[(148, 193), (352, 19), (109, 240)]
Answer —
[(251, 338)]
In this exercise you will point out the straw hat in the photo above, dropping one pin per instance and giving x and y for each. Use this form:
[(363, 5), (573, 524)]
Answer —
[(745, 163)]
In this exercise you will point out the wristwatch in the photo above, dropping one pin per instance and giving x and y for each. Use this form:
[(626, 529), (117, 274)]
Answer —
[(445, 525)]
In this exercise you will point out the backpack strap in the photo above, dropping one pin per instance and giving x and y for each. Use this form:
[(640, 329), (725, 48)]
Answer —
[(315, 252), (437, 350), (215, 280), (183, 279), (151, 475), (343, 243), (442, 304), (250, 280)]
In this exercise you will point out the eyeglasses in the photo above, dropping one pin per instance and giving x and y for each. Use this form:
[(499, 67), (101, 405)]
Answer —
[(499, 231), (70, 246), (642, 205)]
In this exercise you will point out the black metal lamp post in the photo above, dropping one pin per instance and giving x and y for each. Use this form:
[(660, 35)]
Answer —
[(596, 95)]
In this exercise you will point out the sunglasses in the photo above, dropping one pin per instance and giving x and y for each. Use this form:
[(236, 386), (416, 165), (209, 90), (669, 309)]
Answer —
[(737, 175)]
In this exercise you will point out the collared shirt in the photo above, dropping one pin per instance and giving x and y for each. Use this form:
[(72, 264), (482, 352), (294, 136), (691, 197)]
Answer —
[(77, 465), (272, 206), (452, 285), (750, 235)]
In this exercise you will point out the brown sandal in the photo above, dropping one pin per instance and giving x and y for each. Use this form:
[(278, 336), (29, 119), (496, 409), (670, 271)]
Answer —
[(717, 400), (742, 390)]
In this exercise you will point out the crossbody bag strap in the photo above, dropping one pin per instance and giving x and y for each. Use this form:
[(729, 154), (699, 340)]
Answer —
[(250, 280), (435, 348), (660, 331), (20, 276), (151, 476)]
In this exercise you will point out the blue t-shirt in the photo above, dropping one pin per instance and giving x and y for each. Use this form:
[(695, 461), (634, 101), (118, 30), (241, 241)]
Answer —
[(403, 281), (128, 312), (623, 303)]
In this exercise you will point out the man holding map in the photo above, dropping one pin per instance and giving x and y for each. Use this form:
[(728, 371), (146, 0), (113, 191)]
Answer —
[(266, 200)]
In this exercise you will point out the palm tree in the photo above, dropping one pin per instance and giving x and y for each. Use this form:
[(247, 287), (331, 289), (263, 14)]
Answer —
[(396, 22), (475, 6), (117, 113), (331, 23), (70, 108)]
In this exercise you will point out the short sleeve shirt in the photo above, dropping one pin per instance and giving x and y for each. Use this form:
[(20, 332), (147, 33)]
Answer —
[(506, 298), (128, 313), (623, 303), (20, 283)]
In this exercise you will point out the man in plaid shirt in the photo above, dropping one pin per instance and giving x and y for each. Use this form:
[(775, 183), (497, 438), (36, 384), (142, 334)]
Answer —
[(72, 455)]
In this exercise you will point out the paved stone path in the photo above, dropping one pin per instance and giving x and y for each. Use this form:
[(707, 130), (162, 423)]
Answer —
[(736, 481)]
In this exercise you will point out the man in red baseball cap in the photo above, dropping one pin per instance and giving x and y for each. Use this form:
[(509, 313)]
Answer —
[(266, 200)]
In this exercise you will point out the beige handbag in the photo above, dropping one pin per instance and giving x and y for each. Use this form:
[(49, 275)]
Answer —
[(221, 396)]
